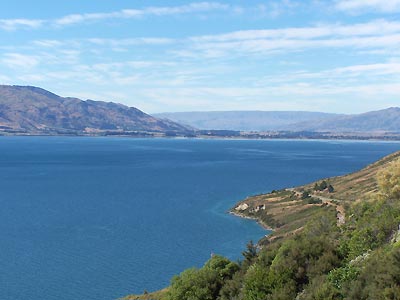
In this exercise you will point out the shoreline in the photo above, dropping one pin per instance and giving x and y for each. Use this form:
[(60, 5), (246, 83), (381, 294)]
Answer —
[(350, 139), (259, 222)]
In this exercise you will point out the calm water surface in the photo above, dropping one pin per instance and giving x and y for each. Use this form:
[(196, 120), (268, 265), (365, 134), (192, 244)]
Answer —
[(99, 218)]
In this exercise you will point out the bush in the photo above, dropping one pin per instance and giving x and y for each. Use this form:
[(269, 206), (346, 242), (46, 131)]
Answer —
[(204, 283)]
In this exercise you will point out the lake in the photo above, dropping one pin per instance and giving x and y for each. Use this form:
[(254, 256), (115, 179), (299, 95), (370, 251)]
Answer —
[(100, 218)]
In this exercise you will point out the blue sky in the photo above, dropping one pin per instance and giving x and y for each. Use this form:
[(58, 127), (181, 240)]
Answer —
[(334, 56)]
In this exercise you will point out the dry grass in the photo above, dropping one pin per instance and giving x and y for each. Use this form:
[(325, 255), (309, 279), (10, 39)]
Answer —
[(286, 212)]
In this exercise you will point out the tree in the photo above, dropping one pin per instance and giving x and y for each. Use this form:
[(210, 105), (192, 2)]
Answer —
[(194, 284), (250, 253), (305, 195), (204, 283)]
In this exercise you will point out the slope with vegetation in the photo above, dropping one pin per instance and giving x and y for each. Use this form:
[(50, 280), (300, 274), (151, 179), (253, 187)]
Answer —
[(312, 254)]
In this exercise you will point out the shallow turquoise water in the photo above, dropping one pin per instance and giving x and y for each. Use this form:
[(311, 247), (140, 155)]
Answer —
[(99, 218)]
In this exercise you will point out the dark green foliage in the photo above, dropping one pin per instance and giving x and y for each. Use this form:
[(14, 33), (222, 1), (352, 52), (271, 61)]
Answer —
[(305, 195), (194, 284), (370, 226), (379, 279), (313, 200), (283, 272), (250, 253), (339, 276), (320, 289), (204, 283), (321, 186), (222, 266), (231, 290)]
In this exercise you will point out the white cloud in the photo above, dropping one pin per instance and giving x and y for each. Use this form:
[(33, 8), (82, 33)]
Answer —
[(14, 24), (273, 9), (316, 97), (354, 75), (19, 61), (79, 18), (148, 11), (376, 69), (375, 34), (130, 42), (185, 9), (47, 43), (358, 6), (376, 27)]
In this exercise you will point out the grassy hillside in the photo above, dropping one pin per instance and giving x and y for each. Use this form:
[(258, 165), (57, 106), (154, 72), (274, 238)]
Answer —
[(287, 211), (337, 238)]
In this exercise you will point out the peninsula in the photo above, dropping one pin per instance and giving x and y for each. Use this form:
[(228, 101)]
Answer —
[(337, 238)]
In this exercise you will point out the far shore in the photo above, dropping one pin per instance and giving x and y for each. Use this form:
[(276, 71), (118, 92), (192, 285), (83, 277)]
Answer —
[(394, 138)]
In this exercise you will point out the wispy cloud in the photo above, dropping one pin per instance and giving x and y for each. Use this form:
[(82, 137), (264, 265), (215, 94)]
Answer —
[(354, 74), (47, 43), (214, 69), (375, 69), (130, 42), (376, 27), (19, 61), (199, 7), (13, 24), (375, 34), (359, 6), (273, 9), (314, 97)]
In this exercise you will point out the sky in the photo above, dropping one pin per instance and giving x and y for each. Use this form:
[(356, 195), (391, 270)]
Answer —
[(338, 56)]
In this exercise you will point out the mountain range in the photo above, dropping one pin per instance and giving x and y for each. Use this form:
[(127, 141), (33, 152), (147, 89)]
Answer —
[(386, 120), (27, 109), (33, 110), (243, 120)]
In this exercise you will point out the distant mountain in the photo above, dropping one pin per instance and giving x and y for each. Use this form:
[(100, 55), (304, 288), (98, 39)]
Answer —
[(244, 120), (27, 109), (386, 120)]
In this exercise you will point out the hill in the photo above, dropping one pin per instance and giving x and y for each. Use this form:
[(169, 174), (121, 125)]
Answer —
[(337, 238), (382, 121), (386, 120), (32, 110), (287, 210), (244, 120)]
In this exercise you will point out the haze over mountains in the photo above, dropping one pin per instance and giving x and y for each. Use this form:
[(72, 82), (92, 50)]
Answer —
[(32, 110), (386, 120), (244, 120), (26, 109)]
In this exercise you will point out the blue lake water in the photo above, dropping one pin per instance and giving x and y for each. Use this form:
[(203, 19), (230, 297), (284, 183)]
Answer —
[(99, 218)]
